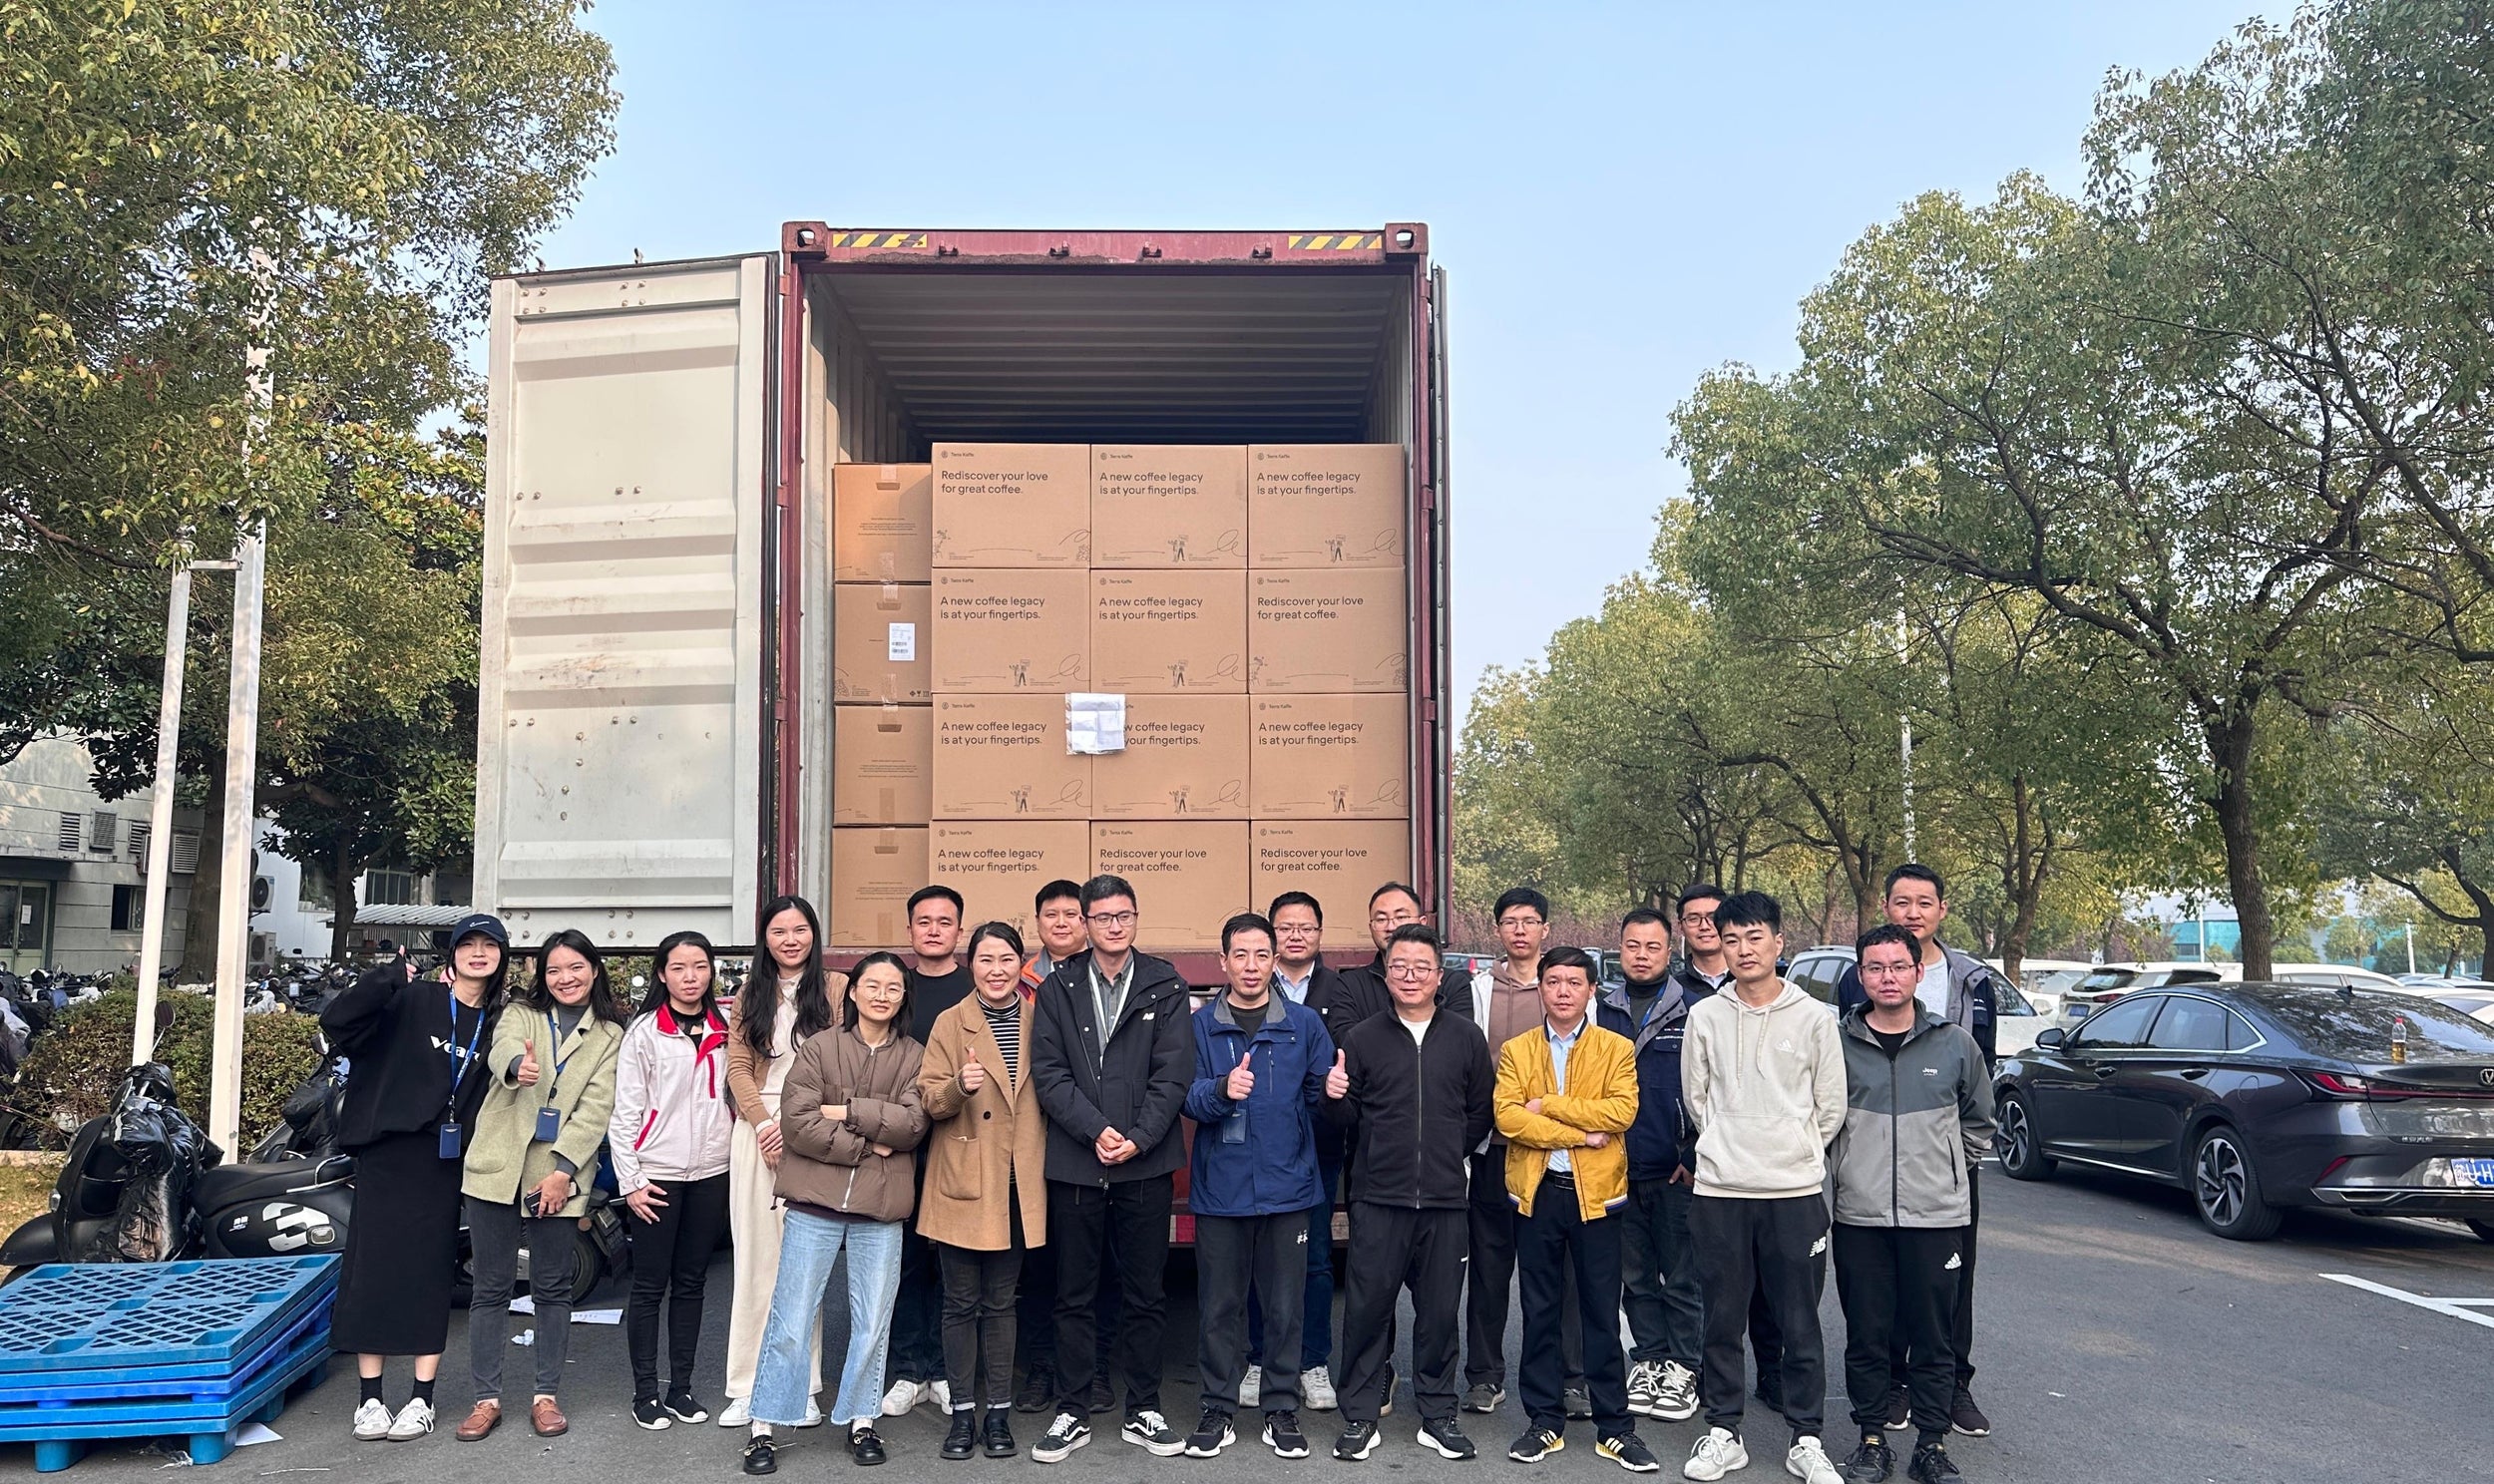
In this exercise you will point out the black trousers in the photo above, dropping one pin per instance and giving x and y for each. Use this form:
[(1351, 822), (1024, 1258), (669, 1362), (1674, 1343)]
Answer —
[(1547, 1241), (1898, 1286), (1961, 1327), (1393, 1248), (1083, 1223), (978, 1303), (915, 1352), (672, 1268), (1776, 1249), (1236, 1256), (1659, 1274), (1492, 1232)]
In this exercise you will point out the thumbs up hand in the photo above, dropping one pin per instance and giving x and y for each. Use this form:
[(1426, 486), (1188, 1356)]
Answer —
[(1338, 1081), (974, 1076), (525, 1076), (1242, 1081)]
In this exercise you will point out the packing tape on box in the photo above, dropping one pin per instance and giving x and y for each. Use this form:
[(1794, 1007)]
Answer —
[(886, 476), (888, 719), (889, 598)]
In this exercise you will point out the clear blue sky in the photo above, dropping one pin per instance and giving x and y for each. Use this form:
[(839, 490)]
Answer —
[(1624, 195)]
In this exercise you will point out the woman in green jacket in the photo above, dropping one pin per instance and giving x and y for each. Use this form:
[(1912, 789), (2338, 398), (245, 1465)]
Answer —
[(552, 1061)]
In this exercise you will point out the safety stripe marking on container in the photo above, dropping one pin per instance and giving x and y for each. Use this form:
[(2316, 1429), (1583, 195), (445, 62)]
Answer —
[(1337, 241), (878, 239)]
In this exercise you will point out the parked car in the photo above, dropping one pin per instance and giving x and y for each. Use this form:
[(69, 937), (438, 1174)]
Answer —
[(2469, 999), (2043, 980), (2257, 1098), (2107, 982), (2334, 975), (1818, 970), (1468, 963)]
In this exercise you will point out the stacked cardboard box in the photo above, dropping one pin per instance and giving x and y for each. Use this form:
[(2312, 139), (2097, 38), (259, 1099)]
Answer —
[(1248, 604)]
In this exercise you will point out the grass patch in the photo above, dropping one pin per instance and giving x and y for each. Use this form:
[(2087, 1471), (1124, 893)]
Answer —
[(25, 1190)]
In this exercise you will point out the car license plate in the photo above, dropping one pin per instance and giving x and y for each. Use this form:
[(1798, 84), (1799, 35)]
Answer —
[(2473, 1171)]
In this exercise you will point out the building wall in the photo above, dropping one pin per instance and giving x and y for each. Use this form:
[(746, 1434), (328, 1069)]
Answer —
[(40, 789)]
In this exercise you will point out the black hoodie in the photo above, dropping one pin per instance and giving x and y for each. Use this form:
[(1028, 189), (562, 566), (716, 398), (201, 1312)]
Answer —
[(1136, 1087)]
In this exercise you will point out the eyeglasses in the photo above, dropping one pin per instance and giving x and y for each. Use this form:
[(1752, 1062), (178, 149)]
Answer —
[(1406, 970), (1114, 920), (1292, 930)]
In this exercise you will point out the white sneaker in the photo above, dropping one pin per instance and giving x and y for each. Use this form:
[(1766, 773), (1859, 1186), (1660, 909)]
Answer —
[(372, 1421), (1715, 1454), (1251, 1387), (1676, 1400), (903, 1397), (941, 1394), (1809, 1463), (1645, 1388), (1316, 1389), (813, 1413), (413, 1422), (738, 1412)]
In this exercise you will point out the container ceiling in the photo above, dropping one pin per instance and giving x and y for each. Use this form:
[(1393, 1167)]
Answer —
[(1274, 356)]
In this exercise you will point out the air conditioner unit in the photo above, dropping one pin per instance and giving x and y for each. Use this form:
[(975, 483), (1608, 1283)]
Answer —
[(263, 892)]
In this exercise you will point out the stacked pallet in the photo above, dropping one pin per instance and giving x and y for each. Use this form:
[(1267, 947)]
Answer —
[(196, 1350)]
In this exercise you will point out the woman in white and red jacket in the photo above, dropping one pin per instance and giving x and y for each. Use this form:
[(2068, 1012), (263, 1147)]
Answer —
[(668, 1139)]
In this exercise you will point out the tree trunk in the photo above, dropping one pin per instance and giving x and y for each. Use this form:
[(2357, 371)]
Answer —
[(343, 870), (198, 938), (2230, 747)]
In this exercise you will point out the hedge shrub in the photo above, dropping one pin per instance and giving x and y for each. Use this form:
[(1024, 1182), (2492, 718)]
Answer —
[(73, 1068)]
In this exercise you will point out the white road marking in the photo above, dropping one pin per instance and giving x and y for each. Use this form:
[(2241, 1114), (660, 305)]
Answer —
[(2457, 1308)]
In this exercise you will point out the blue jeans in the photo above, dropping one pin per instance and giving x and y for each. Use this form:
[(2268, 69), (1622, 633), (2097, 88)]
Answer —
[(808, 1246)]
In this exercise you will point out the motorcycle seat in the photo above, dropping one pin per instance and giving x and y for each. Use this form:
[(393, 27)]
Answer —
[(234, 1185)]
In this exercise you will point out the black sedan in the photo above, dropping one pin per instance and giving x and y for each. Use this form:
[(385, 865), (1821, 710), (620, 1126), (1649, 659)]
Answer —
[(2260, 1097)]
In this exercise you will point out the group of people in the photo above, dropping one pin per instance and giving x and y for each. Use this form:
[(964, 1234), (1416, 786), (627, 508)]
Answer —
[(991, 1132)]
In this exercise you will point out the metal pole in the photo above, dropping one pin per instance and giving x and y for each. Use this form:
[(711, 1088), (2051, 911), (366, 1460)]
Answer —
[(233, 916), (2411, 947), (1905, 732), (161, 811)]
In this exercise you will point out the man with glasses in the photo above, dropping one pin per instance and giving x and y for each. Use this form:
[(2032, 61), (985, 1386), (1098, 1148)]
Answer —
[(1112, 1054), (1057, 912), (1394, 905)]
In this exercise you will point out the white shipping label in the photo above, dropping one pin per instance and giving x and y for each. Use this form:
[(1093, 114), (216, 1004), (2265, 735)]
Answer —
[(1094, 723), (900, 643)]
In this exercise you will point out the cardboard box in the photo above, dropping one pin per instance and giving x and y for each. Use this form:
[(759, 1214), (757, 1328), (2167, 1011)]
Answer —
[(1022, 630), (997, 866), (1013, 505), (1331, 757), (1169, 632), (1168, 506), (882, 764), (1326, 505), (1003, 757), (1317, 632), (874, 869), (1338, 861), (1187, 757), (879, 642), (882, 523), (1189, 878)]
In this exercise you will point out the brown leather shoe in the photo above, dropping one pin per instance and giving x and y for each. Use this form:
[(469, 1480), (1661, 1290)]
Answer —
[(481, 1419), (547, 1418)]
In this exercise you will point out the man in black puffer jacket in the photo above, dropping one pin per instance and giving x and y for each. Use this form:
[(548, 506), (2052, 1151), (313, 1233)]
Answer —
[(1111, 1053)]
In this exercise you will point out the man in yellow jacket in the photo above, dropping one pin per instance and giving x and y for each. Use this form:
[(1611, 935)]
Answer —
[(1566, 1094)]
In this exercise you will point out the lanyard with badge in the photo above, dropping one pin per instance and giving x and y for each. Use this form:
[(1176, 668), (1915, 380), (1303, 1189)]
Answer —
[(549, 1117), (461, 1059)]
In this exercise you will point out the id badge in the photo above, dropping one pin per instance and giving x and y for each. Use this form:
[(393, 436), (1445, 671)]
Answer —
[(450, 1141), (549, 1124)]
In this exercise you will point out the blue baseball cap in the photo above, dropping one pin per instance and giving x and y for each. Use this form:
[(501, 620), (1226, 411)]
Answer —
[(484, 924)]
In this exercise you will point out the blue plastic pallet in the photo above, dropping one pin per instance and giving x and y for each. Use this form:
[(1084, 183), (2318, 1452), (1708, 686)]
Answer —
[(172, 1321), (209, 1440), (24, 1420), (49, 1391)]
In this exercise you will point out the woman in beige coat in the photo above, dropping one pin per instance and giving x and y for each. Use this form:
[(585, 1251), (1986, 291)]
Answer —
[(986, 1200)]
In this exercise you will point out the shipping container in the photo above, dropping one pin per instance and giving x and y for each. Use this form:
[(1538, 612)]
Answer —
[(655, 738)]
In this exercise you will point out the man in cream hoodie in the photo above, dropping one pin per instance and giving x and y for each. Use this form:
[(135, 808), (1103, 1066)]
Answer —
[(1762, 1074)]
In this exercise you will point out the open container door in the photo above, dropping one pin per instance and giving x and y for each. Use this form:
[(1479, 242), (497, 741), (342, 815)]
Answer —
[(1432, 799), (620, 704)]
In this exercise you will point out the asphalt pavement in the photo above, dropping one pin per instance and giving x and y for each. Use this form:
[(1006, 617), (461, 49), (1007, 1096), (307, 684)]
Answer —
[(2115, 1339)]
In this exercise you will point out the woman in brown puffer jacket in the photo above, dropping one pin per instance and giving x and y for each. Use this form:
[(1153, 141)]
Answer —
[(849, 1116)]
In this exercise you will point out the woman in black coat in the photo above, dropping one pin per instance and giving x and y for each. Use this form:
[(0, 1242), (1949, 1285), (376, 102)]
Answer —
[(415, 1052)]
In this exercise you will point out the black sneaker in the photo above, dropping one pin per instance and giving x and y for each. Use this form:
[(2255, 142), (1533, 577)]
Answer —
[(760, 1458), (1578, 1404), (1446, 1439), (651, 1416), (1485, 1397), (961, 1440), (683, 1409), (1630, 1452), (997, 1439), (1872, 1463), (1063, 1435), (1038, 1391), (865, 1447), (1151, 1432), (1282, 1435), (1899, 1408), (1933, 1465), (1536, 1444), (1967, 1418), (1355, 1442), (1103, 1398), (1213, 1432)]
